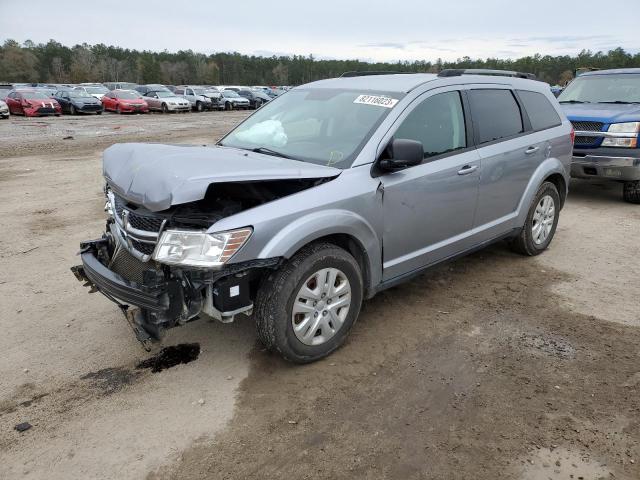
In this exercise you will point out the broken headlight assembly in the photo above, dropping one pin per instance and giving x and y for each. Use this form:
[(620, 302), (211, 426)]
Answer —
[(199, 249)]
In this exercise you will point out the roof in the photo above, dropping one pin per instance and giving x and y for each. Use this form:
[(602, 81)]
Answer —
[(611, 72), (387, 83)]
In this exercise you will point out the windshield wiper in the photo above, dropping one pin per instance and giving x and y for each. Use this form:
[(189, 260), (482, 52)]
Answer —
[(621, 102), (573, 101), (268, 151)]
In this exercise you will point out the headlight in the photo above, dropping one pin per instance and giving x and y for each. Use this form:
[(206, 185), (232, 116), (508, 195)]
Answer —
[(625, 141), (199, 249), (629, 127)]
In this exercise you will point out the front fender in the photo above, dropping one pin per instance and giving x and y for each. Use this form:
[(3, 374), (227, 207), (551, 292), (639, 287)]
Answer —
[(547, 168), (323, 223)]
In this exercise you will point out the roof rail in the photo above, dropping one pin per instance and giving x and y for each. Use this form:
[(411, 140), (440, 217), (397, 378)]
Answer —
[(365, 73), (456, 72)]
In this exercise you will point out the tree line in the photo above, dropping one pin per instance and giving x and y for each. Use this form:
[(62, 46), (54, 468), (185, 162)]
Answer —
[(53, 62)]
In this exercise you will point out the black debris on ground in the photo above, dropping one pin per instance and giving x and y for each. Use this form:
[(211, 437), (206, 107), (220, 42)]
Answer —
[(171, 356), (23, 427)]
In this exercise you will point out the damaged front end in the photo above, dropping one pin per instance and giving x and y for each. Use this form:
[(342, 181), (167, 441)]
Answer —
[(123, 265)]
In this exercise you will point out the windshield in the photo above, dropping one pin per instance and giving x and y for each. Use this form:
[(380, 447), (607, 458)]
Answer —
[(198, 91), (127, 95), (79, 93), (321, 126), (96, 90), (34, 96), (162, 94), (623, 88), (230, 94)]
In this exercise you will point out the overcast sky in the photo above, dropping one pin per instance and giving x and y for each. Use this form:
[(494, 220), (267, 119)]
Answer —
[(364, 29)]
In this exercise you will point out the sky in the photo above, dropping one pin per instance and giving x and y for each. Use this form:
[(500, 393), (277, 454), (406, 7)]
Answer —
[(339, 29)]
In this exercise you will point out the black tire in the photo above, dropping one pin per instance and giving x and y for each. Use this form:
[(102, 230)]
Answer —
[(524, 243), (228, 106), (72, 110), (99, 112), (118, 111), (631, 192), (199, 106), (278, 291), (165, 109)]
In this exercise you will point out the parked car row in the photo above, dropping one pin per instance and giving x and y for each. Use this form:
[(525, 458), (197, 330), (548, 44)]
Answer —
[(125, 97)]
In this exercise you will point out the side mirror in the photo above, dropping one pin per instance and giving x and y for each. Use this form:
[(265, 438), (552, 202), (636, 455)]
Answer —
[(404, 153)]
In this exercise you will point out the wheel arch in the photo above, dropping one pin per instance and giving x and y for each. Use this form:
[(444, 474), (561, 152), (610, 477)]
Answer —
[(551, 170), (341, 228)]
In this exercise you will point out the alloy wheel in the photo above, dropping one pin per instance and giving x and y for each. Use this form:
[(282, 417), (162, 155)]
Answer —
[(321, 306), (543, 219)]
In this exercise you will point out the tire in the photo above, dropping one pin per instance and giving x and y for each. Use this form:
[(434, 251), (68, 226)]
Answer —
[(228, 106), (165, 109), (118, 111), (199, 106), (72, 110), (631, 192), (532, 239), (99, 112), (279, 291)]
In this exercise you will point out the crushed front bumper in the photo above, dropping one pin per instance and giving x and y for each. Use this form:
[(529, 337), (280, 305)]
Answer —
[(615, 165)]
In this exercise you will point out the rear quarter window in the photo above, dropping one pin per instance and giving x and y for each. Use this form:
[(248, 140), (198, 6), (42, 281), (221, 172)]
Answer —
[(495, 113), (540, 111)]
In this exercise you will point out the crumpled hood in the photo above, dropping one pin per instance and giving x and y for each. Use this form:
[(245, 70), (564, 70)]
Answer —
[(159, 176), (602, 112)]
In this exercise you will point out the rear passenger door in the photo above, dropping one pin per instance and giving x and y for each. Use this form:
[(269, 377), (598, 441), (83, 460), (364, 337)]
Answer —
[(508, 153)]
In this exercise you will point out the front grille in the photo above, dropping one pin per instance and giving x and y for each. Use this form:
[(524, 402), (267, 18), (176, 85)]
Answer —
[(47, 110), (128, 266), (142, 247), (132, 221), (143, 222), (580, 140), (587, 126)]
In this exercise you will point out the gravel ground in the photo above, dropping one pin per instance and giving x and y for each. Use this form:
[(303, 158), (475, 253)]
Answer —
[(494, 366)]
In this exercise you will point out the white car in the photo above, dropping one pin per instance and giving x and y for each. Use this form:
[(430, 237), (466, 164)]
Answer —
[(4, 110), (97, 91)]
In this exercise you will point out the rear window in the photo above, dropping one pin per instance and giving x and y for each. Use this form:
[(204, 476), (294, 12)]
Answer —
[(495, 113), (541, 113)]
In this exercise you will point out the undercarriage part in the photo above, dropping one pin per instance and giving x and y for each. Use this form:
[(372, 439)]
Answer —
[(228, 297)]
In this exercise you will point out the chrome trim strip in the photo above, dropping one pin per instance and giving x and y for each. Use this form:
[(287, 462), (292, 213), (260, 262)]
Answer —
[(586, 133)]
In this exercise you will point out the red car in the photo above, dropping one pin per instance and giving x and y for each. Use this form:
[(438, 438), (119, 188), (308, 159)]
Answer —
[(121, 101), (32, 103)]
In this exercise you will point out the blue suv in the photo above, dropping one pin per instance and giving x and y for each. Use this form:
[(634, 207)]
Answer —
[(604, 108)]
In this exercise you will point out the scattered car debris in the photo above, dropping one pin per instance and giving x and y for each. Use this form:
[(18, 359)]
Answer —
[(23, 427)]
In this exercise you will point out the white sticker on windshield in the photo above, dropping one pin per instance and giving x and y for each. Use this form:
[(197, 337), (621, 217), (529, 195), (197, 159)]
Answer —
[(377, 100)]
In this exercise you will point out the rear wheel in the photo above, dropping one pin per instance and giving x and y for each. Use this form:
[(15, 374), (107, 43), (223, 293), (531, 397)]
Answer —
[(72, 109), (305, 310), (631, 192), (541, 223), (228, 106)]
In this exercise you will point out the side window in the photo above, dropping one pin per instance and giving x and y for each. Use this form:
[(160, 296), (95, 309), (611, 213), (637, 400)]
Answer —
[(189, 91), (438, 122), (495, 113), (541, 113)]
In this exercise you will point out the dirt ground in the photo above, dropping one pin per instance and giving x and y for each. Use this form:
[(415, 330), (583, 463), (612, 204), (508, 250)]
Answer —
[(492, 367)]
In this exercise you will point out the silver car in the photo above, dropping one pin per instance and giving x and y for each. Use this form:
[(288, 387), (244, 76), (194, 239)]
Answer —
[(196, 96), (326, 196), (166, 102), (4, 110)]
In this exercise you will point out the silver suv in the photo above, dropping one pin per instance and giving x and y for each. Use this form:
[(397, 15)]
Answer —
[(327, 195)]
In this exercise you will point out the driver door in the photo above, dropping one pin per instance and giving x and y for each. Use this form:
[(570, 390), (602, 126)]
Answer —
[(429, 208)]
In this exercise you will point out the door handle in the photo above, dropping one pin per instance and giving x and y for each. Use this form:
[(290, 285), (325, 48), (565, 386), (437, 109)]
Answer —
[(531, 150), (467, 169)]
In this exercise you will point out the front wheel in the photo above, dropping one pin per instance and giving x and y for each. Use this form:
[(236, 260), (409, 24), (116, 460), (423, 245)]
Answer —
[(228, 106), (631, 192), (199, 106), (305, 309), (165, 109), (72, 110), (541, 223)]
